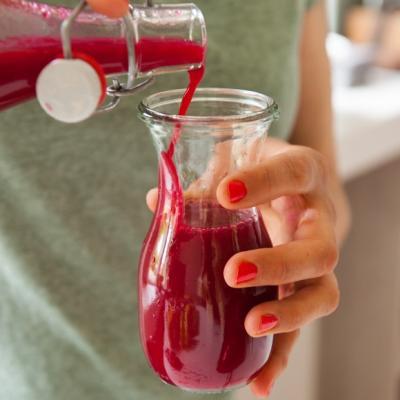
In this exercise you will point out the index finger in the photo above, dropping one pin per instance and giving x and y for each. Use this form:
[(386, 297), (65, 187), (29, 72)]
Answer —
[(299, 170)]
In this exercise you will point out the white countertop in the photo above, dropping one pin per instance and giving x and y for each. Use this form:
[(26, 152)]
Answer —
[(368, 124)]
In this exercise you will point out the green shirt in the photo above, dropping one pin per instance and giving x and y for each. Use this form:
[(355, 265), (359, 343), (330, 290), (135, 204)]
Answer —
[(73, 217)]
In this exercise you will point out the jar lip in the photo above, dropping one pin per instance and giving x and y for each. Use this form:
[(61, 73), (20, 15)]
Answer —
[(261, 107)]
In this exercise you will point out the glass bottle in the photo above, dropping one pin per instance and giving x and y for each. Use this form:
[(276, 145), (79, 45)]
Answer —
[(192, 323), (167, 38)]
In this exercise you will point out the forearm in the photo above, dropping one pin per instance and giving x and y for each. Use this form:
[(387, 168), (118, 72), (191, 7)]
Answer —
[(314, 123)]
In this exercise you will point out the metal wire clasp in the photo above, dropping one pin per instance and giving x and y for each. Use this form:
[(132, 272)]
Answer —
[(117, 89)]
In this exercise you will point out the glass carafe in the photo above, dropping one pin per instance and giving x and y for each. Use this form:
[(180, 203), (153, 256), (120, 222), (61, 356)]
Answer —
[(192, 323), (167, 38)]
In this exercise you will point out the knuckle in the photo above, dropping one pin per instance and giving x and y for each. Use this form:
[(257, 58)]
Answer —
[(328, 257), (316, 163), (298, 169), (296, 318), (331, 257), (321, 165), (281, 272), (268, 176), (334, 300)]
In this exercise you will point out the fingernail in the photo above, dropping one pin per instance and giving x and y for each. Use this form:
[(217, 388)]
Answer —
[(237, 191), (268, 322), (246, 272)]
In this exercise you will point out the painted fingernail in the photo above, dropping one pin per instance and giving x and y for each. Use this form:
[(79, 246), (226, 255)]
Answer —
[(237, 191), (246, 272), (268, 322)]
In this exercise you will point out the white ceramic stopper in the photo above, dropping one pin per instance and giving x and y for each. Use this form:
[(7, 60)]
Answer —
[(69, 90)]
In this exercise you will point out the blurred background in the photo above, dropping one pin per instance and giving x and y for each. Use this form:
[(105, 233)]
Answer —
[(355, 354)]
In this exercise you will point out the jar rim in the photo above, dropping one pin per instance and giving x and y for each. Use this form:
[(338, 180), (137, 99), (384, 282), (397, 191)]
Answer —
[(260, 106)]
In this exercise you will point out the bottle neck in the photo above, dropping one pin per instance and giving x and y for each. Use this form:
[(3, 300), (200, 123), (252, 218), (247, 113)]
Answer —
[(224, 131)]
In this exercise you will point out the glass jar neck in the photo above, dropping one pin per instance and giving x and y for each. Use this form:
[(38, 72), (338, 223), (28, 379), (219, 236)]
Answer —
[(224, 130)]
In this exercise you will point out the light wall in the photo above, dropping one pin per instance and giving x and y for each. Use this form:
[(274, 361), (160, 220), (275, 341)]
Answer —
[(360, 352)]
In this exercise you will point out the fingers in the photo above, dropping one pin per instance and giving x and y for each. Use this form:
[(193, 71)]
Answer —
[(317, 298), (312, 254), (292, 262), (263, 384), (112, 9), (299, 170)]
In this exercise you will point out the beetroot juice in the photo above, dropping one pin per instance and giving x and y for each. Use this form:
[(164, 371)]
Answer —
[(23, 58), (191, 322)]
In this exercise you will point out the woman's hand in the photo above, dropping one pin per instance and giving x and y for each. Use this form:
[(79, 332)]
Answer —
[(291, 186), (291, 189)]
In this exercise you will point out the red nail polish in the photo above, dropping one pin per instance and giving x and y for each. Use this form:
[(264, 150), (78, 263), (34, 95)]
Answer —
[(268, 322), (246, 272), (237, 191)]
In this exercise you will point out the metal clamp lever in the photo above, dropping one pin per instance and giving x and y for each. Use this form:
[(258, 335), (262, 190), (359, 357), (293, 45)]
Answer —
[(117, 89)]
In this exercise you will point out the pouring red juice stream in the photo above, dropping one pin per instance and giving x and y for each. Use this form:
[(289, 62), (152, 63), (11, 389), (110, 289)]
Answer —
[(185, 345)]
